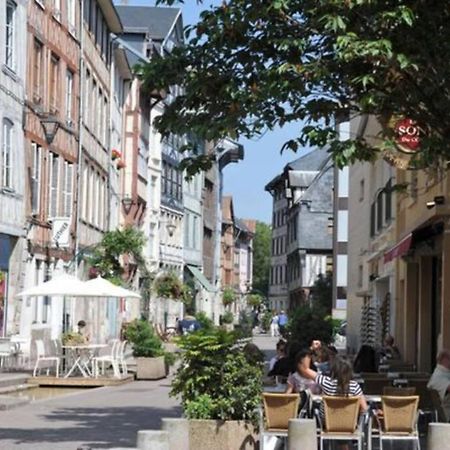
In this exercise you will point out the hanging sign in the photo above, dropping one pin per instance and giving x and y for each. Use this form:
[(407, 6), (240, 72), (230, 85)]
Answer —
[(61, 232)]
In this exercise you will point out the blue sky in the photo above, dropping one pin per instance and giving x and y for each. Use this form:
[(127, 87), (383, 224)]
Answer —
[(246, 180)]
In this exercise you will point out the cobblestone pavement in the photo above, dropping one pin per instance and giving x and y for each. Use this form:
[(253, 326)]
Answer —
[(99, 418)]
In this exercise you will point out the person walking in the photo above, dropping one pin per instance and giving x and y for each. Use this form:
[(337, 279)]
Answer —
[(274, 325), (282, 322), (440, 380)]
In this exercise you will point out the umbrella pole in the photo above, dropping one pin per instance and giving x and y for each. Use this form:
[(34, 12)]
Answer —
[(64, 322)]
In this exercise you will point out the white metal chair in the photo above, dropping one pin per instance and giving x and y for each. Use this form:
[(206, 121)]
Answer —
[(111, 358), (42, 357), (121, 357)]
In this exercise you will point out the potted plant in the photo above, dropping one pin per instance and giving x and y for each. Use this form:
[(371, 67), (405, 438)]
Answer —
[(220, 390), (171, 287), (147, 349), (227, 320)]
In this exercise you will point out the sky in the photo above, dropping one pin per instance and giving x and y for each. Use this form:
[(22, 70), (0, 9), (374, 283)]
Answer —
[(246, 180)]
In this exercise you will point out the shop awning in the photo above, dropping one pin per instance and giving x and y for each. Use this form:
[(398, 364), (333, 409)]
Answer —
[(400, 249), (200, 278)]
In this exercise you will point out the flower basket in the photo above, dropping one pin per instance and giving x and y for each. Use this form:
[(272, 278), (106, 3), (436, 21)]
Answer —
[(170, 286), (115, 154)]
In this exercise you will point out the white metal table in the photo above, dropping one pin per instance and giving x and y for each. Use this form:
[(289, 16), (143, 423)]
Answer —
[(78, 353)]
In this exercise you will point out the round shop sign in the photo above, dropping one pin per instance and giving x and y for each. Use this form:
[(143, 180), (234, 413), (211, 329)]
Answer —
[(407, 135)]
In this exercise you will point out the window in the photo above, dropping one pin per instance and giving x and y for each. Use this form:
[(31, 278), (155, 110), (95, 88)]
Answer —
[(388, 201), (54, 185), (105, 120), (360, 276), (37, 71), (10, 38), (194, 232), (7, 154), (68, 189), (94, 106), (71, 4), (57, 9), (54, 84), (35, 177), (69, 97), (372, 219), (187, 231), (380, 211)]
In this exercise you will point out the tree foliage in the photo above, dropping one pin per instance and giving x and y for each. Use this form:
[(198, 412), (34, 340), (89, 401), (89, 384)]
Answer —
[(251, 65), (261, 257), (322, 293)]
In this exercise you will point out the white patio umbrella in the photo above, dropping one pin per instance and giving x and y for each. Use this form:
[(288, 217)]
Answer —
[(99, 287), (64, 285)]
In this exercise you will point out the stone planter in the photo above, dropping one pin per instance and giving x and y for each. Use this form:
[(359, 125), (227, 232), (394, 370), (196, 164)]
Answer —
[(222, 435), (150, 368)]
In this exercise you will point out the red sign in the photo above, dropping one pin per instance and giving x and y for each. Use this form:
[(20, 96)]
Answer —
[(407, 134)]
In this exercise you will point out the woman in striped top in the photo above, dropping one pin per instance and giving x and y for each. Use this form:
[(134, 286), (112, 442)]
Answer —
[(340, 383)]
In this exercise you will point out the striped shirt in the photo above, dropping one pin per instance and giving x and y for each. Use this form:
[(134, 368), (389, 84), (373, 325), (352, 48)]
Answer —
[(330, 387)]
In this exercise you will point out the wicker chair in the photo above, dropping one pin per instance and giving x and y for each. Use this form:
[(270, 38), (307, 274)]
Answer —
[(278, 409), (341, 420), (400, 419)]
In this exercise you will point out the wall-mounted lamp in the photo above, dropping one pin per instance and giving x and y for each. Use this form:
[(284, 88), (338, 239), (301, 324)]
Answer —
[(127, 203), (438, 200), (50, 126)]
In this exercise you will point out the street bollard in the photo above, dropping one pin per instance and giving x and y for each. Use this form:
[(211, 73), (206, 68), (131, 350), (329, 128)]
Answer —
[(302, 434), (152, 440), (438, 436), (178, 431)]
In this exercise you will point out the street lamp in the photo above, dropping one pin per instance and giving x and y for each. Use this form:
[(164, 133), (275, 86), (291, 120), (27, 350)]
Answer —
[(50, 125)]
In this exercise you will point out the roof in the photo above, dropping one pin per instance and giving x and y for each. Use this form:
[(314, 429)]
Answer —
[(111, 15), (158, 21)]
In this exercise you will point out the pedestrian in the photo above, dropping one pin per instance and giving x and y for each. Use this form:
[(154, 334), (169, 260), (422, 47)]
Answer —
[(280, 350), (440, 380), (81, 330), (366, 360), (274, 329), (189, 324), (282, 322), (390, 350)]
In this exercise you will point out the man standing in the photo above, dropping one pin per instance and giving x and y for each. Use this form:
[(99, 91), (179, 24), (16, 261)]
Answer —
[(440, 380), (274, 326), (189, 324), (282, 322)]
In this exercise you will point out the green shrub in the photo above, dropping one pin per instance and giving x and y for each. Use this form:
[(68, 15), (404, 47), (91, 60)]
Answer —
[(266, 320), (215, 380), (145, 342), (244, 328), (227, 317), (205, 322), (254, 300)]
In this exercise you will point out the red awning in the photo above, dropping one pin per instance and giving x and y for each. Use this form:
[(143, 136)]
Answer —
[(399, 249)]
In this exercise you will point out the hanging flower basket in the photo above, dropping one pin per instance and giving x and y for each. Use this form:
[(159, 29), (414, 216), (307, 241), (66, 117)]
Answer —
[(171, 287), (121, 164), (115, 154)]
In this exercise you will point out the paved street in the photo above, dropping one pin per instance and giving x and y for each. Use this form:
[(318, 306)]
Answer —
[(100, 418)]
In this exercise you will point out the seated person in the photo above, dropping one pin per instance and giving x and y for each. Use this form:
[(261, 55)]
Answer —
[(296, 381), (323, 361), (281, 350), (81, 330), (440, 380), (283, 365), (389, 350), (366, 360)]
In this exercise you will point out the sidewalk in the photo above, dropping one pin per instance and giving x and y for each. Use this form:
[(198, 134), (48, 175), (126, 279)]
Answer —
[(96, 418)]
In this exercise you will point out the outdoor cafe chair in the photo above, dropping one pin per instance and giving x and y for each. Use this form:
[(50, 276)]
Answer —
[(341, 420), (399, 422), (111, 358), (41, 356), (278, 409), (121, 357)]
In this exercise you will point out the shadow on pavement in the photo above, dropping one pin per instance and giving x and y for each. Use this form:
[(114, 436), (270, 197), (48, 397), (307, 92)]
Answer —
[(94, 427)]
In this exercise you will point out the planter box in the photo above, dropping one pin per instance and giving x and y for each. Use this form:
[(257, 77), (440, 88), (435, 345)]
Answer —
[(150, 368), (220, 435)]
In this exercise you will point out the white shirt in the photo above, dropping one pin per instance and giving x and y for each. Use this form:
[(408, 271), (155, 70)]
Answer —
[(440, 382)]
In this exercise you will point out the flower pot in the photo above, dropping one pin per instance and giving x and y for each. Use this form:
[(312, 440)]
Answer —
[(222, 435), (150, 368)]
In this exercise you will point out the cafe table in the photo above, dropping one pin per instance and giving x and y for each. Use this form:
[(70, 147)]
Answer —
[(82, 355)]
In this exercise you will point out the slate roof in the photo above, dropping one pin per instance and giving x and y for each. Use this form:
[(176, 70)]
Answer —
[(157, 20), (312, 161)]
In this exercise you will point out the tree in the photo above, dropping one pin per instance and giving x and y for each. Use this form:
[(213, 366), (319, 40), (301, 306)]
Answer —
[(261, 257), (322, 293), (251, 65)]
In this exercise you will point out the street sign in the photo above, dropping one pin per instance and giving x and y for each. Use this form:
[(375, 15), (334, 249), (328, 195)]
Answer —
[(407, 135), (61, 232)]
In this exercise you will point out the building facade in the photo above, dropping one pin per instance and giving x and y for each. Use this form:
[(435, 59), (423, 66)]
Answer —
[(13, 198)]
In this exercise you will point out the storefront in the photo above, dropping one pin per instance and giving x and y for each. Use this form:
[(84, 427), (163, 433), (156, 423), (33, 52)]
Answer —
[(5, 254)]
